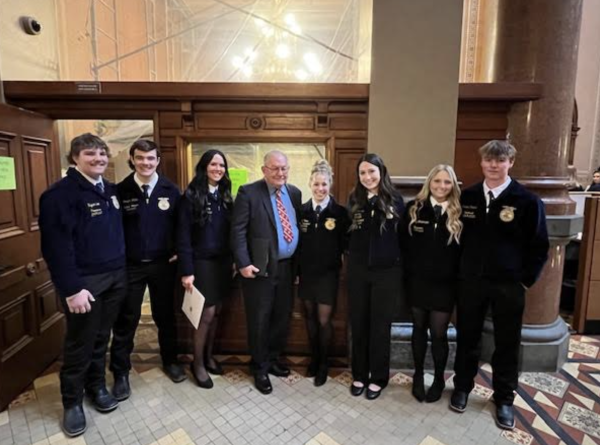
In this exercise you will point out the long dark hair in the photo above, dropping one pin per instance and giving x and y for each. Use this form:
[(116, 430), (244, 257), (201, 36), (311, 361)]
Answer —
[(197, 191), (386, 195)]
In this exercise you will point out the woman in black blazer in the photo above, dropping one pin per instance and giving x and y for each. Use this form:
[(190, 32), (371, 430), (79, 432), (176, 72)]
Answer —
[(323, 227), (204, 255), (374, 273), (432, 230)]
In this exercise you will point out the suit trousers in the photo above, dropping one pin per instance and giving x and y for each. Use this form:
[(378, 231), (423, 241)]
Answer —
[(159, 276), (86, 340), (506, 302), (268, 303), (373, 296)]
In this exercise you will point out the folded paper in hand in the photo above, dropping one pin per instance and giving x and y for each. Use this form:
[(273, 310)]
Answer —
[(193, 303)]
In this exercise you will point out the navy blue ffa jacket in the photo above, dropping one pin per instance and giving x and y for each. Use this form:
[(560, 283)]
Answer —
[(149, 226), (427, 254), (508, 243), (81, 231), (368, 244), (322, 241), (210, 241)]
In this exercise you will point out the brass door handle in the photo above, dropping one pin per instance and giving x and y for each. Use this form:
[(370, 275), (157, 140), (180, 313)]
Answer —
[(30, 269)]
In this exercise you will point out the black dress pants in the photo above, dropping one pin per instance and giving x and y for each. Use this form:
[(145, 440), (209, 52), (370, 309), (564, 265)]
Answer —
[(159, 276), (268, 302), (506, 301), (86, 340), (373, 295)]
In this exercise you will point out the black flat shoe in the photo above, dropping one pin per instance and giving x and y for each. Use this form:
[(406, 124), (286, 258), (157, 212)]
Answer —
[(279, 370), (206, 384), (505, 417), (175, 372), (435, 391), (418, 387), (214, 370), (74, 423), (102, 400), (263, 384), (373, 394), (312, 369), (321, 377), (458, 401), (356, 390), (121, 389)]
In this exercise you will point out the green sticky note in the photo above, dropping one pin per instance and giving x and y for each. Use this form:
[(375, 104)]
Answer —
[(238, 176), (7, 173)]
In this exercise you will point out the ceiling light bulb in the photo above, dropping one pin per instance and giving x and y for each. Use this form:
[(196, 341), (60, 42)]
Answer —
[(259, 22), (296, 29), (250, 54), (282, 51), (289, 19), (237, 61), (247, 70), (301, 74)]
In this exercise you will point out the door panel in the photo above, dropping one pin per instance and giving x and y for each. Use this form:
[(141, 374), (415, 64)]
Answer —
[(31, 324)]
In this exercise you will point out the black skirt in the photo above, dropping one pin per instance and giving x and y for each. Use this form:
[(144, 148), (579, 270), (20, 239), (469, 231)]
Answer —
[(431, 295), (213, 279), (321, 288)]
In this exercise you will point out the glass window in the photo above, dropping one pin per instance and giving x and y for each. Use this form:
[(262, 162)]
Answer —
[(247, 158)]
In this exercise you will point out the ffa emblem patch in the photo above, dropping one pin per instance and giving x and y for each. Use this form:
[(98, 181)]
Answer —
[(330, 223), (507, 214), (163, 203)]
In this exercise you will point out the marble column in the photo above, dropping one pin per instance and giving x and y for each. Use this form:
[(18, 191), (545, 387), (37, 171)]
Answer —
[(537, 41)]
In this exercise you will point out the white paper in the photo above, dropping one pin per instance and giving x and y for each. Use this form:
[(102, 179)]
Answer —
[(193, 304)]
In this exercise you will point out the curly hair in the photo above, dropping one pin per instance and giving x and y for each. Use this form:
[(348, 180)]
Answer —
[(453, 223)]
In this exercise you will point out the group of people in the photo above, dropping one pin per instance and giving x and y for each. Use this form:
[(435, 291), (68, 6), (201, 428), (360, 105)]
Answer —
[(105, 243)]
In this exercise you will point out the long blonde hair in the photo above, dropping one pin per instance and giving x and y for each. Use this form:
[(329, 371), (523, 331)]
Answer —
[(453, 223)]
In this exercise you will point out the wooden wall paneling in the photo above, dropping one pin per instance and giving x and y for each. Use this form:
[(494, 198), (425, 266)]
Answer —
[(38, 171), (220, 121), (346, 161), (49, 306), (289, 122), (586, 254), (16, 325)]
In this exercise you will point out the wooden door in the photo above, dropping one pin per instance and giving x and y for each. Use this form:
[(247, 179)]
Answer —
[(31, 324)]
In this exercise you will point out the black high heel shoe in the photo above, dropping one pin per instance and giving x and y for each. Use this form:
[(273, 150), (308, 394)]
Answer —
[(215, 370), (206, 384)]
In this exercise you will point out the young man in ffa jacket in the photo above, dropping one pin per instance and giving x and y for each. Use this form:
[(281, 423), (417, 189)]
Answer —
[(504, 247), (149, 209), (82, 243)]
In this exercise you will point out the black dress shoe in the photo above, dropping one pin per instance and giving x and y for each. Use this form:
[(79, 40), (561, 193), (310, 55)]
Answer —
[(214, 370), (505, 417), (321, 376), (418, 387), (175, 372), (435, 391), (263, 384), (206, 384), (103, 400), (279, 370), (356, 390), (74, 421), (373, 394), (121, 389), (458, 401)]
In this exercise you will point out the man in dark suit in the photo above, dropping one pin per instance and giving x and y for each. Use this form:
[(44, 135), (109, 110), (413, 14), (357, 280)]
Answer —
[(504, 247), (264, 237)]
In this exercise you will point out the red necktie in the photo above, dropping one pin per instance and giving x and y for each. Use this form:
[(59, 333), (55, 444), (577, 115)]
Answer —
[(288, 234)]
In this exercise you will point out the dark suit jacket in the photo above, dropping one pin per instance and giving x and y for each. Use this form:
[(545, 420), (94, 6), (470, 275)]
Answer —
[(253, 228)]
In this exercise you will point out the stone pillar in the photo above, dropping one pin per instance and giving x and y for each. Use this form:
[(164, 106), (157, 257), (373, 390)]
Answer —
[(537, 41)]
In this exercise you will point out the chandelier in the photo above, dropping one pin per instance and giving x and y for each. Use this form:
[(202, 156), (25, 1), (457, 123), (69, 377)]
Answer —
[(277, 56)]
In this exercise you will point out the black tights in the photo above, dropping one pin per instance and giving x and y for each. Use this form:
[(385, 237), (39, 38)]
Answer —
[(204, 341), (437, 323), (320, 330)]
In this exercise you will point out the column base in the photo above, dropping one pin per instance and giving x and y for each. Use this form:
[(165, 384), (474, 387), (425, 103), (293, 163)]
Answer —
[(544, 348)]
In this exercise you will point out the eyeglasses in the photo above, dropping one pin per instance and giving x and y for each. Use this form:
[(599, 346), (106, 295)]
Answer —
[(278, 169)]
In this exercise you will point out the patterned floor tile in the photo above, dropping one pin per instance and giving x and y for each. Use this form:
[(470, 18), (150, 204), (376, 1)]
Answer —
[(581, 419), (517, 436), (482, 391), (582, 348), (545, 382), (345, 378), (293, 378), (401, 379), (23, 398), (236, 376)]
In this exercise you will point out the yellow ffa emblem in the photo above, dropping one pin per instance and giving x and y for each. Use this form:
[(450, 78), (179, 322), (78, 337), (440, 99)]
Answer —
[(507, 214), (330, 223), (163, 203), (115, 202)]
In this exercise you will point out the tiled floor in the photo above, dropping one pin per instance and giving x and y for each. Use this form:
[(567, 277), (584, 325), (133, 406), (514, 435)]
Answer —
[(561, 408)]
